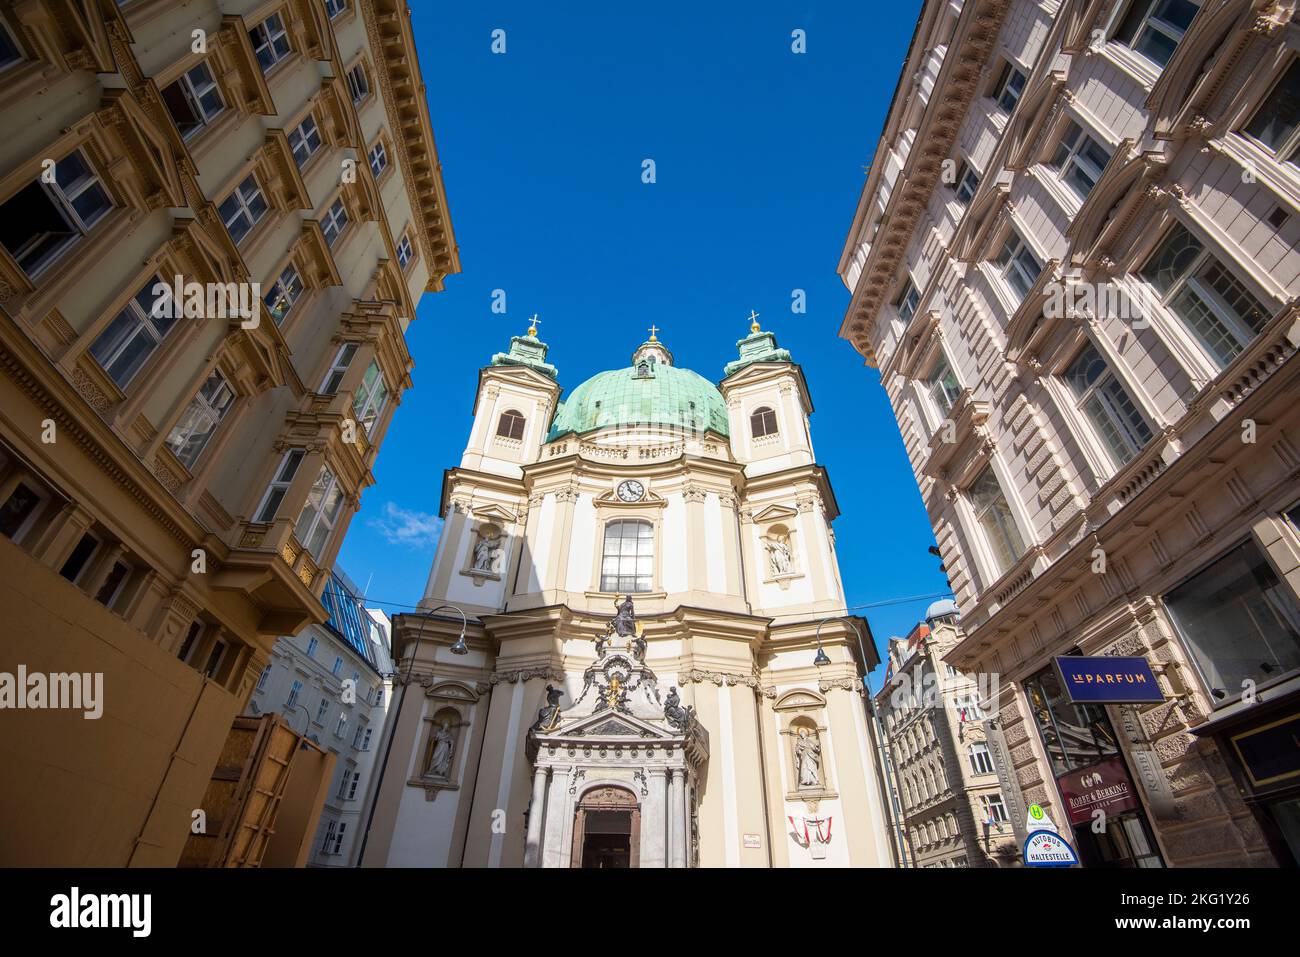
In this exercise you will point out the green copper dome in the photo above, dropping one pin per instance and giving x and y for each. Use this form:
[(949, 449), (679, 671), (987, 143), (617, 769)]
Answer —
[(651, 391)]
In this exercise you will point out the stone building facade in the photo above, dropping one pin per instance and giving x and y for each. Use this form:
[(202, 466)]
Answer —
[(702, 727), (942, 770), (178, 469), (1075, 265)]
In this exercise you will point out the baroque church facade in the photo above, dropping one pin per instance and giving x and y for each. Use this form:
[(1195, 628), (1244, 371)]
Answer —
[(654, 670)]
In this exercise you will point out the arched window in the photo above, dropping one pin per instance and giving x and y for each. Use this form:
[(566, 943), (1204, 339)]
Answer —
[(510, 425), (762, 421), (627, 562)]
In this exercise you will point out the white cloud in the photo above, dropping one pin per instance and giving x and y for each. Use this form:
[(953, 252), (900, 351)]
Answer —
[(404, 527)]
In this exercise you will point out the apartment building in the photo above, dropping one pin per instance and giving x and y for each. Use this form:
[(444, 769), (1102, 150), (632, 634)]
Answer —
[(216, 222), (1075, 265), (953, 814)]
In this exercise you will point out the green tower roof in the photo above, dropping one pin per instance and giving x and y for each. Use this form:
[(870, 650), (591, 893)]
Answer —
[(651, 391)]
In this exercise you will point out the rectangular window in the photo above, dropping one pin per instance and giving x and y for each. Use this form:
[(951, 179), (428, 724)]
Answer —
[(10, 52), (908, 302), (283, 294), (270, 41), (966, 183), (335, 7), (365, 739), (243, 208), (319, 515), (279, 486), (968, 709), (1276, 124), (190, 642), (341, 726), (1073, 735), (334, 377), (338, 666), (312, 643), (19, 512), (343, 782), (1020, 267), (292, 700), (216, 657), (322, 711), (304, 140), (942, 386), (261, 682), (334, 222), (1214, 305), (404, 252), (1079, 160), (194, 100), (111, 590), (358, 84), (131, 338), (41, 220), (1240, 621), (378, 159), (1154, 27), (1011, 83), (352, 788), (627, 562), (330, 830), (190, 435), (995, 812), (338, 837), (995, 518), (981, 762), (76, 563), (371, 398), (1106, 404)]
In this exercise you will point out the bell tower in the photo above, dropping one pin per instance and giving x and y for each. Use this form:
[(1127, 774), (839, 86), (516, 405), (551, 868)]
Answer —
[(767, 404)]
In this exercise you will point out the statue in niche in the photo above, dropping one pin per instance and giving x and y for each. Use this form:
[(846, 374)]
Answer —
[(778, 553), (488, 551), (808, 759), (444, 746), (549, 716)]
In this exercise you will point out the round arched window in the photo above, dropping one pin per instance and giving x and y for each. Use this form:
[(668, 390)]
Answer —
[(511, 425)]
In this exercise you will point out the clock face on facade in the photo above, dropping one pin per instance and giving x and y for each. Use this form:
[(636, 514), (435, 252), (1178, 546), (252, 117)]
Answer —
[(631, 491)]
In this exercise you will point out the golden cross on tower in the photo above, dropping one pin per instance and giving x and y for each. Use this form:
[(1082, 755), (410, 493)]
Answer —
[(532, 324), (753, 321), (653, 330)]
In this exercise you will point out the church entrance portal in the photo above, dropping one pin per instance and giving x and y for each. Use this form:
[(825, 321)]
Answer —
[(607, 829)]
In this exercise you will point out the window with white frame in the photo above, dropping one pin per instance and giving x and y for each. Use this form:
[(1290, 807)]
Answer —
[(968, 709), (352, 788), (194, 100), (1020, 267), (1079, 159), (114, 584), (341, 726), (192, 431), (1212, 303), (343, 782), (1105, 403), (1240, 620), (405, 252), (942, 386), (358, 84), (335, 7), (322, 710), (1154, 27), (1010, 84), (338, 368), (284, 292), (279, 486), (292, 700), (10, 51), (995, 812), (270, 41), (319, 516), (966, 182), (312, 644), (378, 159), (993, 513), (908, 302), (333, 838), (133, 335), (243, 208), (261, 682), (627, 560), (304, 140), (371, 397), (42, 220), (1276, 124), (981, 762), (334, 222)]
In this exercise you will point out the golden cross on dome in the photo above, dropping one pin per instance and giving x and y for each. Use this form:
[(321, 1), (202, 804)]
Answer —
[(753, 321), (653, 330), (532, 324)]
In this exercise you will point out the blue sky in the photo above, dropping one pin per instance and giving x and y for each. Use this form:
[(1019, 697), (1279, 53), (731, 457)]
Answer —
[(759, 156)]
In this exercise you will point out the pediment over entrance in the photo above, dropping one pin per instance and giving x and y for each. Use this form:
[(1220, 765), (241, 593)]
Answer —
[(609, 724)]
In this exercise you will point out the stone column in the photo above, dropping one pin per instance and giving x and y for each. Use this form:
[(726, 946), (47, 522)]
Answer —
[(654, 820), (677, 823), (533, 843)]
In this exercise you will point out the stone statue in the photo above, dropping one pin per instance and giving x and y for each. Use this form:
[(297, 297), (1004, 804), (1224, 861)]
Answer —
[(808, 759), (779, 555), (443, 748), (483, 555), (549, 716), (678, 717), (625, 621)]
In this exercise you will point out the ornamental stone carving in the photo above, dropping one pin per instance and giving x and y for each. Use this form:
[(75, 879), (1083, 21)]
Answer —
[(525, 674)]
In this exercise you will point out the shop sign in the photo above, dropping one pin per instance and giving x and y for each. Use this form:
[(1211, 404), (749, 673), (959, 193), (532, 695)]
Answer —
[(1099, 787), (1270, 754), (1048, 849), (1101, 679)]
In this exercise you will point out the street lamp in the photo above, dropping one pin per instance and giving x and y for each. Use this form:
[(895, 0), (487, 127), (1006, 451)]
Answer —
[(458, 648), (891, 808)]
